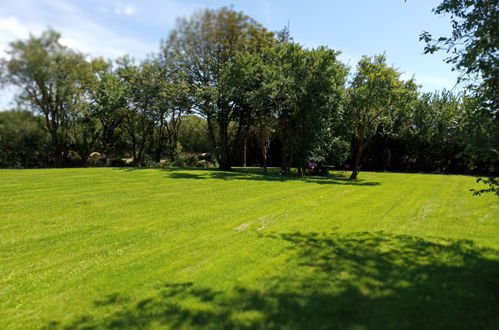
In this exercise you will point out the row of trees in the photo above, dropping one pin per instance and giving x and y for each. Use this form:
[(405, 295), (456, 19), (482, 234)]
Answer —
[(249, 88), (89, 105)]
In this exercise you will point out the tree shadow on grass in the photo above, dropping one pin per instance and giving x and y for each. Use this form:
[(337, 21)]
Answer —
[(335, 281), (253, 174)]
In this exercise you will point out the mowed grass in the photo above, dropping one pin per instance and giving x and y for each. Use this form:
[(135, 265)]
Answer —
[(158, 248)]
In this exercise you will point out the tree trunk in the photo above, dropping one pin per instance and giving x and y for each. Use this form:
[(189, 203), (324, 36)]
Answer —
[(172, 149), (159, 145), (140, 153), (225, 163), (58, 150), (356, 161), (264, 159), (285, 160), (159, 142), (134, 149), (174, 138), (211, 136), (245, 143), (157, 154), (59, 156)]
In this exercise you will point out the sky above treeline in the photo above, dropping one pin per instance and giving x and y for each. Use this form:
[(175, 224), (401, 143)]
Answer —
[(111, 28)]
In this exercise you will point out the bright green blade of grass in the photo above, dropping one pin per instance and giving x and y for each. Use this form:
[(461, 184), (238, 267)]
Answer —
[(138, 248)]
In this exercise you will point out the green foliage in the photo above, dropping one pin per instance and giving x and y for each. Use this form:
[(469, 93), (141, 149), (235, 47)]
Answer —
[(474, 49), (53, 81), (376, 94), (143, 87), (338, 151), (432, 131), (193, 134), (262, 98), (175, 101), (108, 105), (203, 45), (306, 91), (473, 45), (241, 84), (23, 141), (481, 132), (187, 160)]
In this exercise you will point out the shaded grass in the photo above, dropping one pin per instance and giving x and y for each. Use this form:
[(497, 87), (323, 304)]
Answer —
[(359, 280), (113, 248)]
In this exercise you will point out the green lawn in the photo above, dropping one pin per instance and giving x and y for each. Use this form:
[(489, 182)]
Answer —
[(135, 248)]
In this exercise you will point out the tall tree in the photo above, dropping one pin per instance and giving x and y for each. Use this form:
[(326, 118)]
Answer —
[(474, 51), (306, 88), (375, 94), (144, 85), (54, 82), (473, 45), (174, 101), (433, 135), (193, 134), (241, 82), (108, 103), (203, 44)]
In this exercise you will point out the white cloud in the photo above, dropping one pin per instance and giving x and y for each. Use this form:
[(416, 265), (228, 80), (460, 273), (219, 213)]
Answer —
[(91, 26), (11, 27), (124, 10), (129, 10), (80, 30), (110, 29), (98, 40)]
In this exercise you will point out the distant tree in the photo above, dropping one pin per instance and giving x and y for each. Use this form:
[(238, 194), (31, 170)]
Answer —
[(376, 93), (323, 103), (433, 140), (265, 122), (84, 127), (108, 103), (240, 83), (143, 86), (174, 101), (306, 89), (54, 82), (263, 128), (23, 140), (193, 134)]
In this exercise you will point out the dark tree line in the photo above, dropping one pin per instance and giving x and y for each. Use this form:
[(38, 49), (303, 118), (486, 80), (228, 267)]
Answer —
[(223, 84)]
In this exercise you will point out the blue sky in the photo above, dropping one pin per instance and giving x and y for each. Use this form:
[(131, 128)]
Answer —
[(111, 28)]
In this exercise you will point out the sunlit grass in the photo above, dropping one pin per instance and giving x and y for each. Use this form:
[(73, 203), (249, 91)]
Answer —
[(140, 248)]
